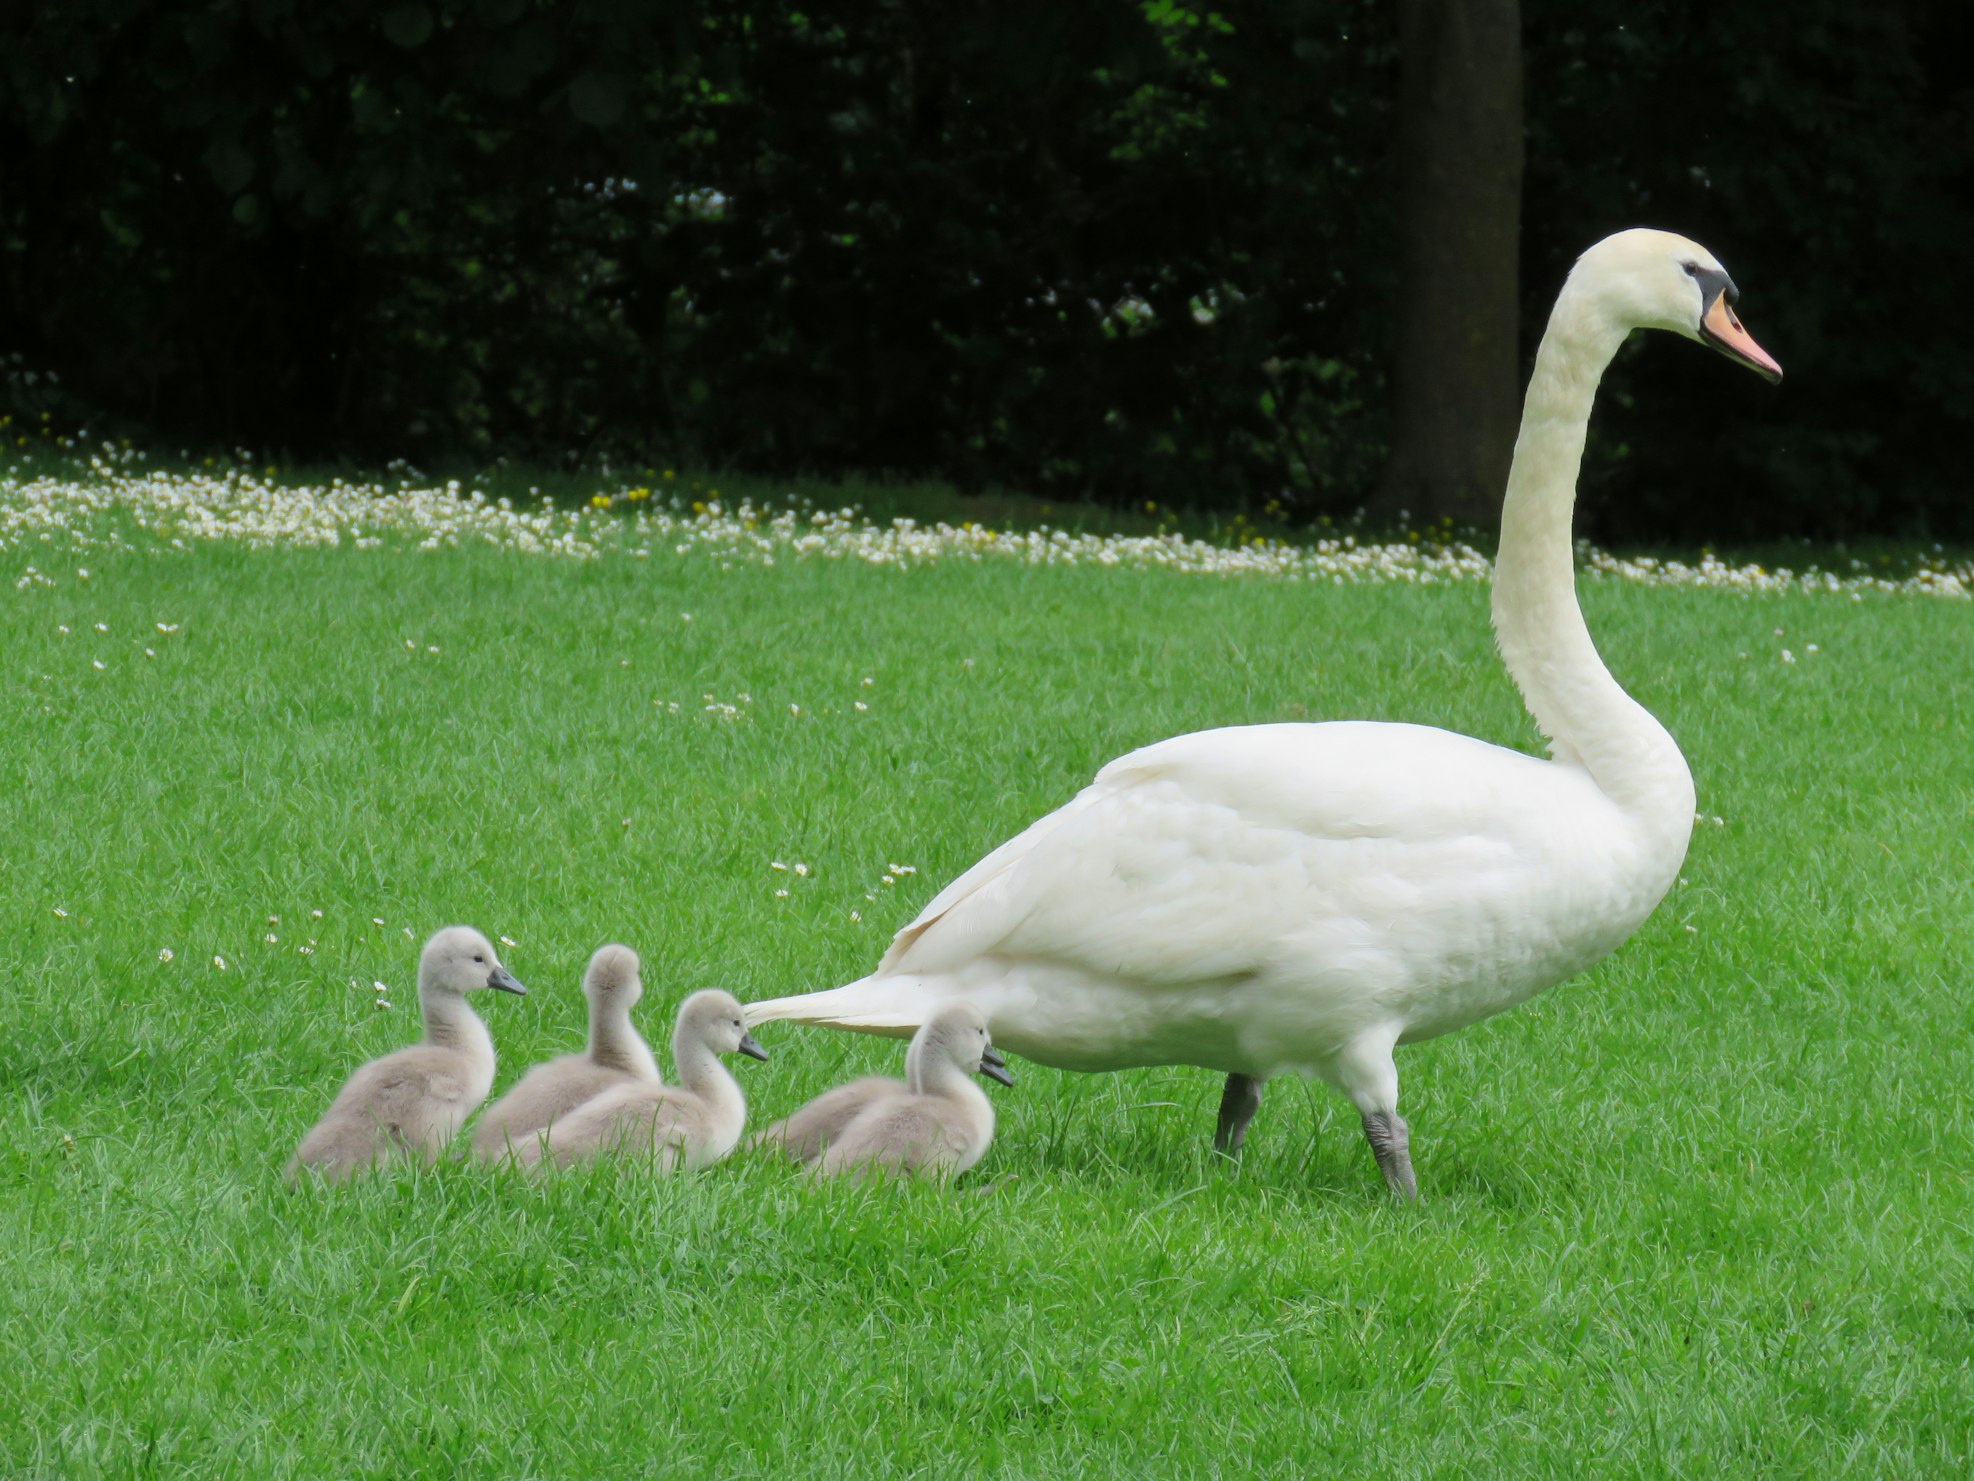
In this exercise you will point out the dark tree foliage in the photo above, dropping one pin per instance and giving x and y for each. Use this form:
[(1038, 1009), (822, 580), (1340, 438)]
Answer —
[(1825, 152), (1125, 250)]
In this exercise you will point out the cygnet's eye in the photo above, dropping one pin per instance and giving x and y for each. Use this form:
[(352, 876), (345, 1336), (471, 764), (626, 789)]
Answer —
[(481, 960)]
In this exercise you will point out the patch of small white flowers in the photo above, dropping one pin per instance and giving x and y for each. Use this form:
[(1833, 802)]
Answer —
[(114, 505), (797, 870)]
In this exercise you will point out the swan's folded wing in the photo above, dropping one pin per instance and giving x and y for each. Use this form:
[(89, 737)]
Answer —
[(988, 874), (1191, 860)]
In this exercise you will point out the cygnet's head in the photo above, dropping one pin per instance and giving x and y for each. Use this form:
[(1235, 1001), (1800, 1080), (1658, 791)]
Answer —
[(1647, 279), (612, 977), (459, 959), (716, 1019), (959, 1031)]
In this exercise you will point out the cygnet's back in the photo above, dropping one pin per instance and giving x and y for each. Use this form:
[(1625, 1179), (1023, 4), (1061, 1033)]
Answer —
[(410, 1103), (693, 1123), (804, 1134), (616, 1056), (943, 1123)]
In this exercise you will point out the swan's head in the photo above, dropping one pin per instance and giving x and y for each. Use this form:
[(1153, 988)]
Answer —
[(959, 1032), (1648, 279), (612, 977), (460, 960), (716, 1019)]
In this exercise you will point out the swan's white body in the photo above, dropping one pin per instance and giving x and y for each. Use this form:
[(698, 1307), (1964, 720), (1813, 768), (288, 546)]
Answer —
[(1258, 898), (1277, 899)]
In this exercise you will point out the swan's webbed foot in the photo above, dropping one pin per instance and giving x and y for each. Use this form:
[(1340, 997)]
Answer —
[(1391, 1141), (1238, 1103)]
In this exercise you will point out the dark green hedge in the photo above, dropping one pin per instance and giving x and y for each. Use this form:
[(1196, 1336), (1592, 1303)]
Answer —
[(1129, 251)]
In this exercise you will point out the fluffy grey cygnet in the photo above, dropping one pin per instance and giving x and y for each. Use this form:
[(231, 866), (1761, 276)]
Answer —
[(805, 1135), (616, 1056), (943, 1123), (691, 1124), (409, 1103)]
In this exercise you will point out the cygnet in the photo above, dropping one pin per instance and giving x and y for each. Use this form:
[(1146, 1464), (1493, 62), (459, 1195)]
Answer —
[(411, 1102), (943, 1123), (804, 1135), (691, 1124), (616, 1056)]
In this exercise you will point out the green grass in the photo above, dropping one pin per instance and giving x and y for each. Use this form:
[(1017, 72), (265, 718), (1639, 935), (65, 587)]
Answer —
[(1705, 1211)]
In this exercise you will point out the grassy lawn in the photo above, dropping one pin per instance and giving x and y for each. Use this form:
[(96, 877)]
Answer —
[(1705, 1211)]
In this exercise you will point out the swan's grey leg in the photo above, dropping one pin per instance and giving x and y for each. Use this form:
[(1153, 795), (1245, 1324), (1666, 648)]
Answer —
[(1365, 1072), (1238, 1103), (1391, 1140)]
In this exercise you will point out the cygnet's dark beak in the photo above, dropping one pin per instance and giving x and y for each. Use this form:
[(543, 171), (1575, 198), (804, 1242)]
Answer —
[(995, 1068), (751, 1049), (991, 1055), (502, 980)]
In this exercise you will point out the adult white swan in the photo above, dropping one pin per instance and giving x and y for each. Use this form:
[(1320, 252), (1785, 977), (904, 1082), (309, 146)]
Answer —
[(1274, 899)]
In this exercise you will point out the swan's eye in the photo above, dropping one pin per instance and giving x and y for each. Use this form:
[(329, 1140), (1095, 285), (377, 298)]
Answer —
[(1692, 269), (481, 960)]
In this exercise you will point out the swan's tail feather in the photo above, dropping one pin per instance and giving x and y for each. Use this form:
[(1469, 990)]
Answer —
[(870, 1005)]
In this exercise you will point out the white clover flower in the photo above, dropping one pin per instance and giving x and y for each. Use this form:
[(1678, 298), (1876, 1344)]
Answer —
[(165, 953), (271, 939), (802, 870), (219, 962)]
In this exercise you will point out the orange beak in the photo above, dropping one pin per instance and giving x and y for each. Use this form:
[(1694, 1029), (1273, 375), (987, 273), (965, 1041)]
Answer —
[(1724, 332)]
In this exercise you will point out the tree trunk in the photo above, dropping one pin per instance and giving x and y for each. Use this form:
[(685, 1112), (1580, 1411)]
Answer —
[(1456, 367)]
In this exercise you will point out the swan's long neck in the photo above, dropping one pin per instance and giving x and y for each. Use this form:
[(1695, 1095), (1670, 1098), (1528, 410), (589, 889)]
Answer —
[(614, 1043), (1590, 721)]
